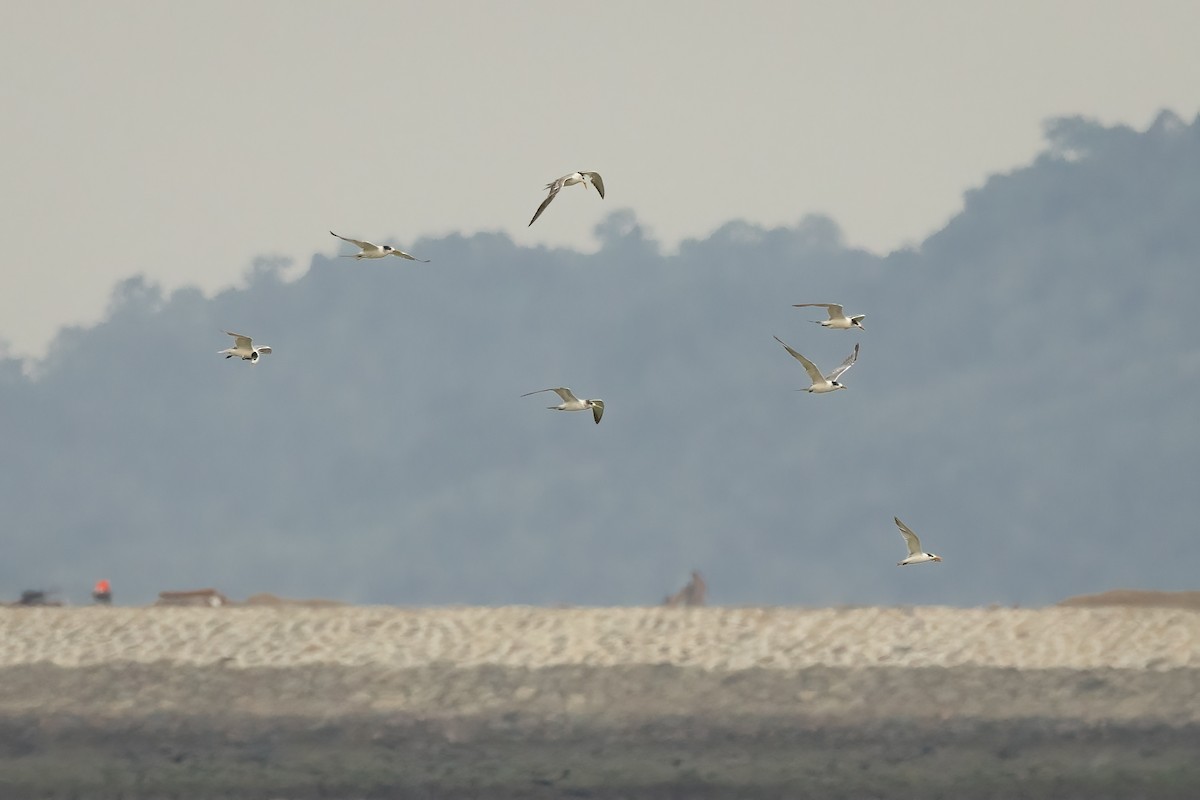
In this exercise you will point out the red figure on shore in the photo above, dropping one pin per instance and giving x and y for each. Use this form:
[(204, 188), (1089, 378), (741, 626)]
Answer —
[(102, 592)]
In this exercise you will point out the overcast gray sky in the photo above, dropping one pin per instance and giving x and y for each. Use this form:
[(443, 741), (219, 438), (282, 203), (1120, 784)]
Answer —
[(184, 140)]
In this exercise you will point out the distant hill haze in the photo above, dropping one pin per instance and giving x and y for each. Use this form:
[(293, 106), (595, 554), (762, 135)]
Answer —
[(1025, 399)]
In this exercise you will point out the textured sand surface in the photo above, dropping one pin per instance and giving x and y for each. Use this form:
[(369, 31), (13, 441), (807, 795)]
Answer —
[(725, 639), (304, 702)]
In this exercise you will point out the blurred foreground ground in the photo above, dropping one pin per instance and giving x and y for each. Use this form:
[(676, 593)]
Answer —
[(340, 702)]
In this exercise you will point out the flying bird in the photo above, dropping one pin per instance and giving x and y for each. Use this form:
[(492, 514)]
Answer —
[(837, 319), (243, 348), (572, 403), (369, 250), (822, 383), (915, 554), (585, 178)]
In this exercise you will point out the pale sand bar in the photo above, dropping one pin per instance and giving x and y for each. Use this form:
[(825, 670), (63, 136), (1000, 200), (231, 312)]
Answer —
[(610, 665), (715, 638)]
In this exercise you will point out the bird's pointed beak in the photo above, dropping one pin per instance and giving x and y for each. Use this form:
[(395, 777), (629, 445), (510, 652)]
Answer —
[(937, 558)]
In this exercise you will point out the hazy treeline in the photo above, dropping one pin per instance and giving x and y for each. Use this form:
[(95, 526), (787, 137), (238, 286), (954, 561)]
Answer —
[(1025, 399)]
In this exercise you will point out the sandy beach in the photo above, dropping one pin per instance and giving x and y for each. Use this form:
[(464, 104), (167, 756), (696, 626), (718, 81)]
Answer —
[(726, 639), (1147, 647), (1067, 701)]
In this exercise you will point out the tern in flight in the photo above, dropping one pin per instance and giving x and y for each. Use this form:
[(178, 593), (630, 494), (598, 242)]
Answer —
[(915, 554), (822, 383), (837, 319), (585, 178), (369, 250), (243, 348), (572, 403)]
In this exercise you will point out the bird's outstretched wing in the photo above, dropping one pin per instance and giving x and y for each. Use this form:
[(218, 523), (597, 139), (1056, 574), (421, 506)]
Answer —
[(597, 410), (598, 182), (910, 538), (403, 254), (555, 188), (809, 366), (835, 311), (264, 350), (239, 340), (361, 245), (562, 391), (845, 365)]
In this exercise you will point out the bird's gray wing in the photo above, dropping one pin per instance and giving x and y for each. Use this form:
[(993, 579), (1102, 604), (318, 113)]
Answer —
[(598, 182), (809, 366), (834, 309), (554, 190), (845, 365), (403, 254), (910, 538), (561, 391), (265, 349), (361, 245), (238, 339), (597, 410)]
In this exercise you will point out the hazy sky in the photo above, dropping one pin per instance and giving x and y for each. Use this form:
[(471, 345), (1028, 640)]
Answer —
[(184, 140)]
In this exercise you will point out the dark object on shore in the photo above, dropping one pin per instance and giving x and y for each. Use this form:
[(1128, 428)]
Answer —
[(33, 597), (36, 597), (691, 595), (193, 597)]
